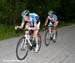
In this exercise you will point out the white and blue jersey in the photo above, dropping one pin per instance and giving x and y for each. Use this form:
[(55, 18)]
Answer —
[(33, 18), (54, 17)]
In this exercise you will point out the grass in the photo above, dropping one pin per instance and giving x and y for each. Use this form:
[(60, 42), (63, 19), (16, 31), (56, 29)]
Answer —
[(62, 24), (7, 31)]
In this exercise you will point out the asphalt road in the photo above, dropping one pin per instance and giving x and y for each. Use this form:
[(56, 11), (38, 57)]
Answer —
[(63, 51)]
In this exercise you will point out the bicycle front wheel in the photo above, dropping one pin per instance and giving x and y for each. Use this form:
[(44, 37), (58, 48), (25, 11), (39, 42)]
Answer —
[(47, 38), (22, 49)]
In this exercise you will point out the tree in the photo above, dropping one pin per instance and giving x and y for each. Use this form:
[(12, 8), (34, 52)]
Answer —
[(68, 10)]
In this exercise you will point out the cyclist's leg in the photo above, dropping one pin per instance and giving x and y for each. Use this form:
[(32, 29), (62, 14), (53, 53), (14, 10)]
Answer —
[(50, 28), (27, 34), (36, 33), (55, 28), (36, 36), (36, 39)]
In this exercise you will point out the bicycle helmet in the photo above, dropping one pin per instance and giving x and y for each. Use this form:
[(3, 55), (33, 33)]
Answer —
[(50, 12), (25, 13)]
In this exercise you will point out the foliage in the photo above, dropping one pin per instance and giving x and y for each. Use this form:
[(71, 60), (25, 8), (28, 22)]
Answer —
[(10, 10), (8, 31)]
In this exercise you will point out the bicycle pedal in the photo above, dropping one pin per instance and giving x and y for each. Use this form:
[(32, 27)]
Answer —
[(34, 45), (51, 38), (54, 40), (30, 48)]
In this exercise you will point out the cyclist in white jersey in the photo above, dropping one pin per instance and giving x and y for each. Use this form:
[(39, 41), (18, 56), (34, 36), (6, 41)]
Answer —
[(31, 22), (52, 22)]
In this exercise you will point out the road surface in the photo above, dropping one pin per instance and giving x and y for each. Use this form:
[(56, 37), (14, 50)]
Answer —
[(63, 51)]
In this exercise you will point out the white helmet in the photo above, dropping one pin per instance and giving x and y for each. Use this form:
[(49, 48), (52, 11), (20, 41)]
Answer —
[(50, 12), (25, 13)]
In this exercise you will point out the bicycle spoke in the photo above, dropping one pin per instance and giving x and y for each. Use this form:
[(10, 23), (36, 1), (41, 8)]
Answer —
[(22, 49), (47, 38)]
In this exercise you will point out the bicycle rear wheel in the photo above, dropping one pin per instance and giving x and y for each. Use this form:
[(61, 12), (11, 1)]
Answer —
[(22, 49), (39, 41), (47, 38)]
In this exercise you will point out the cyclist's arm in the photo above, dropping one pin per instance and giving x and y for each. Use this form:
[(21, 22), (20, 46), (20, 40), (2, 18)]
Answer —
[(54, 19), (21, 26), (23, 23), (46, 22), (51, 19)]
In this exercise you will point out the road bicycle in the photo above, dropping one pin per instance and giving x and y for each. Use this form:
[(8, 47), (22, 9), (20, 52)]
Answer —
[(24, 46), (49, 37)]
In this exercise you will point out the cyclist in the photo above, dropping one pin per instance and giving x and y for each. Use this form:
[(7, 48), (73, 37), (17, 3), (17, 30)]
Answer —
[(52, 22), (31, 22)]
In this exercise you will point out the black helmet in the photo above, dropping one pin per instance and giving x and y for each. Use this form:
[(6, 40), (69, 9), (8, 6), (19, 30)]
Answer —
[(25, 13), (50, 12)]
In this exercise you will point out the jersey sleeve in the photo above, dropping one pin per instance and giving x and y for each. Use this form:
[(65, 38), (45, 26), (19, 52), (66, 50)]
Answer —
[(33, 17), (55, 18)]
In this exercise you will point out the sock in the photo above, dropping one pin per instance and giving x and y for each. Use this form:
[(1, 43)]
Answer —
[(36, 42), (54, 35)]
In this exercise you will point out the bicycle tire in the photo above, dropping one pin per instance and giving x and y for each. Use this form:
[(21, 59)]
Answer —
[(56, 34), (39, 41), (20, 42), (47, 39)]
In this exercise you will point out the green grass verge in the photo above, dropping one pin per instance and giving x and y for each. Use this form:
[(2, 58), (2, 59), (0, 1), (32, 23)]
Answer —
[(7, 31), (62, 24)]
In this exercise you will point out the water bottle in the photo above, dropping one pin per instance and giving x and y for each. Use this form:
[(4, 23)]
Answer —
[(33, 41)]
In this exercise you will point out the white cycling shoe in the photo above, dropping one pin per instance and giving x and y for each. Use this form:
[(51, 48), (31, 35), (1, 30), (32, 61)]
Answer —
[(54, 38), (36, 48)]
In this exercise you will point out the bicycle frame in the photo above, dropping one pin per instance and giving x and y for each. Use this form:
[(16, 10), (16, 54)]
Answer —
[(50, 29), (25, 44), (27, 37), (50, 37)]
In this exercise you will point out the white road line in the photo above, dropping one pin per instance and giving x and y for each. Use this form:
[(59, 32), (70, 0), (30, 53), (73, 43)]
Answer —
[(4, 60)]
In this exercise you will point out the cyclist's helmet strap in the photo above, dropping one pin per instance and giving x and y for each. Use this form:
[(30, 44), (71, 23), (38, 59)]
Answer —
[(25, 13)]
